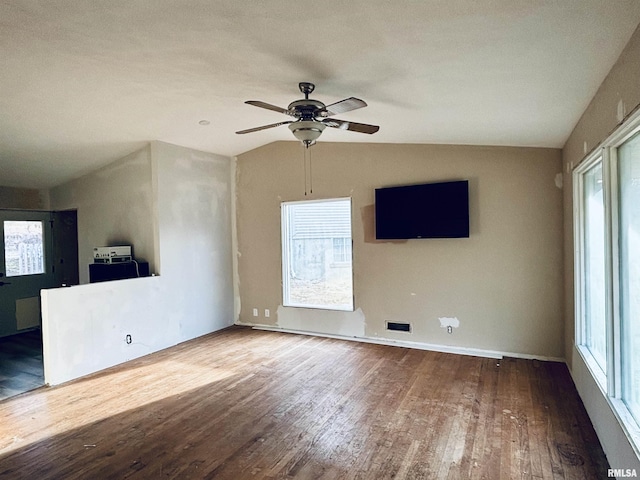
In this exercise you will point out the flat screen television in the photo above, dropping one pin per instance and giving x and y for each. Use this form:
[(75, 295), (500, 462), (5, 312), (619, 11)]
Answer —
[(430, 210)]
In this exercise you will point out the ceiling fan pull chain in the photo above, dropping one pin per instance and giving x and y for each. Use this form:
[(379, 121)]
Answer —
[(304, 161), (310, 173)]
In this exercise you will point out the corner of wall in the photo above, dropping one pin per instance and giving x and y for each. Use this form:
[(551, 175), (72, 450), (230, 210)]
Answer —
[(234, 239), (153, 154)]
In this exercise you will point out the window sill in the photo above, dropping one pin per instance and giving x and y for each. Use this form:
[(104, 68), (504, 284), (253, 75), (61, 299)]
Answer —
[(594, 368), (337, 308)]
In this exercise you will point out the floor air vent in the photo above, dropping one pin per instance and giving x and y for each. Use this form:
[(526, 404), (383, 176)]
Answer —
[(399, 327)]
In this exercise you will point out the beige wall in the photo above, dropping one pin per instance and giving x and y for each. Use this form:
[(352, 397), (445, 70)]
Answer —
[(617, 97), (504, 283)]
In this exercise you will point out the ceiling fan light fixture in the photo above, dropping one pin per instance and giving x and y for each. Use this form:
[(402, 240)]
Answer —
[(307, 131)]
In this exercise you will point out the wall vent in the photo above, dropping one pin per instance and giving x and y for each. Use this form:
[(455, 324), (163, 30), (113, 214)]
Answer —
[(399, 326)]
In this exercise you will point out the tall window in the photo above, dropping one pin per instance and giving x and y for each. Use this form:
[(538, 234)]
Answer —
[(316, 254), (595, 322), (629, 233), (607, 235)]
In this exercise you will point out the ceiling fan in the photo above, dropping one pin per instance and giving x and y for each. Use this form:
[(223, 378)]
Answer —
[(312, 116)]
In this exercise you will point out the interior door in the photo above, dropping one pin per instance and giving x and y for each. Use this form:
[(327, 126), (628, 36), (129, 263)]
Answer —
[(26, 267), (65, 247)]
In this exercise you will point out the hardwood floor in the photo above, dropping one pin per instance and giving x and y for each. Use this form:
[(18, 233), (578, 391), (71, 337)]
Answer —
[(21, 367), (243, 404)]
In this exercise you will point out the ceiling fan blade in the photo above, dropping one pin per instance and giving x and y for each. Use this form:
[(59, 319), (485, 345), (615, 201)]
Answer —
[(343, 106), (264, 127), (268, 106), (353, 126)]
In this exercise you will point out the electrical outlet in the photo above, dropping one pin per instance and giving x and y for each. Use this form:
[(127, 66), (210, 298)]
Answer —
[(128, 339), (267, 313), (449, 329), (255, 312)]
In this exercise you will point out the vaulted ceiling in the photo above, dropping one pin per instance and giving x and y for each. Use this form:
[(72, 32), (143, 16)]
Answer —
[(85, 83)]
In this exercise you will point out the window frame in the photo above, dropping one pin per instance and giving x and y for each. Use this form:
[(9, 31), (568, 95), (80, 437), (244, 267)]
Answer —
[(286, 247), (580, 230), (42, 250)]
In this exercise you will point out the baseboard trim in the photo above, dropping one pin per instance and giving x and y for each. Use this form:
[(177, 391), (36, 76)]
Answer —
[(474, 352)]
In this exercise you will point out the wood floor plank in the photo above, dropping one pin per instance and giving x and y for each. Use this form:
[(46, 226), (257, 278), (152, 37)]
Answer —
[(248, 404), (478, 442)]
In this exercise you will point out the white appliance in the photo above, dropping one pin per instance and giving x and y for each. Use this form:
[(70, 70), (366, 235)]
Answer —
[(115, 254)]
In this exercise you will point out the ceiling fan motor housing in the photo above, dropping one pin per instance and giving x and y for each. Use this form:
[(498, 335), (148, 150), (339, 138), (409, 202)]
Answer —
[(307, 109)]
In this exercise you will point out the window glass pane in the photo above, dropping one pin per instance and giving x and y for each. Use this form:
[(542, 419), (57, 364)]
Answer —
[(23, 248), (317, 265), (595, 332), (629, 227), (342, 250)]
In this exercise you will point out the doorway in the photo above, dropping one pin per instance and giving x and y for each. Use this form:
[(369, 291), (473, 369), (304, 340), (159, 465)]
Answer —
[(38, 250)]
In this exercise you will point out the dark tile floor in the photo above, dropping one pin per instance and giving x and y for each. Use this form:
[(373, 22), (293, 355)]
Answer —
[(21, 367)]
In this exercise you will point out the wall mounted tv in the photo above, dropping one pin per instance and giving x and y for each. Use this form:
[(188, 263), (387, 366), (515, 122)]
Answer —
[(430, 210)]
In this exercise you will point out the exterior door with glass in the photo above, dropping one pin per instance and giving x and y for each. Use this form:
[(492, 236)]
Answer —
[(26, 267)]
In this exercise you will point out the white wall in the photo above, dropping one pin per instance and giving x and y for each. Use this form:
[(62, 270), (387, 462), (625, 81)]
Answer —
[(617, 97), (115, 207), (189, 224), (193, 205), (84, 327)]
